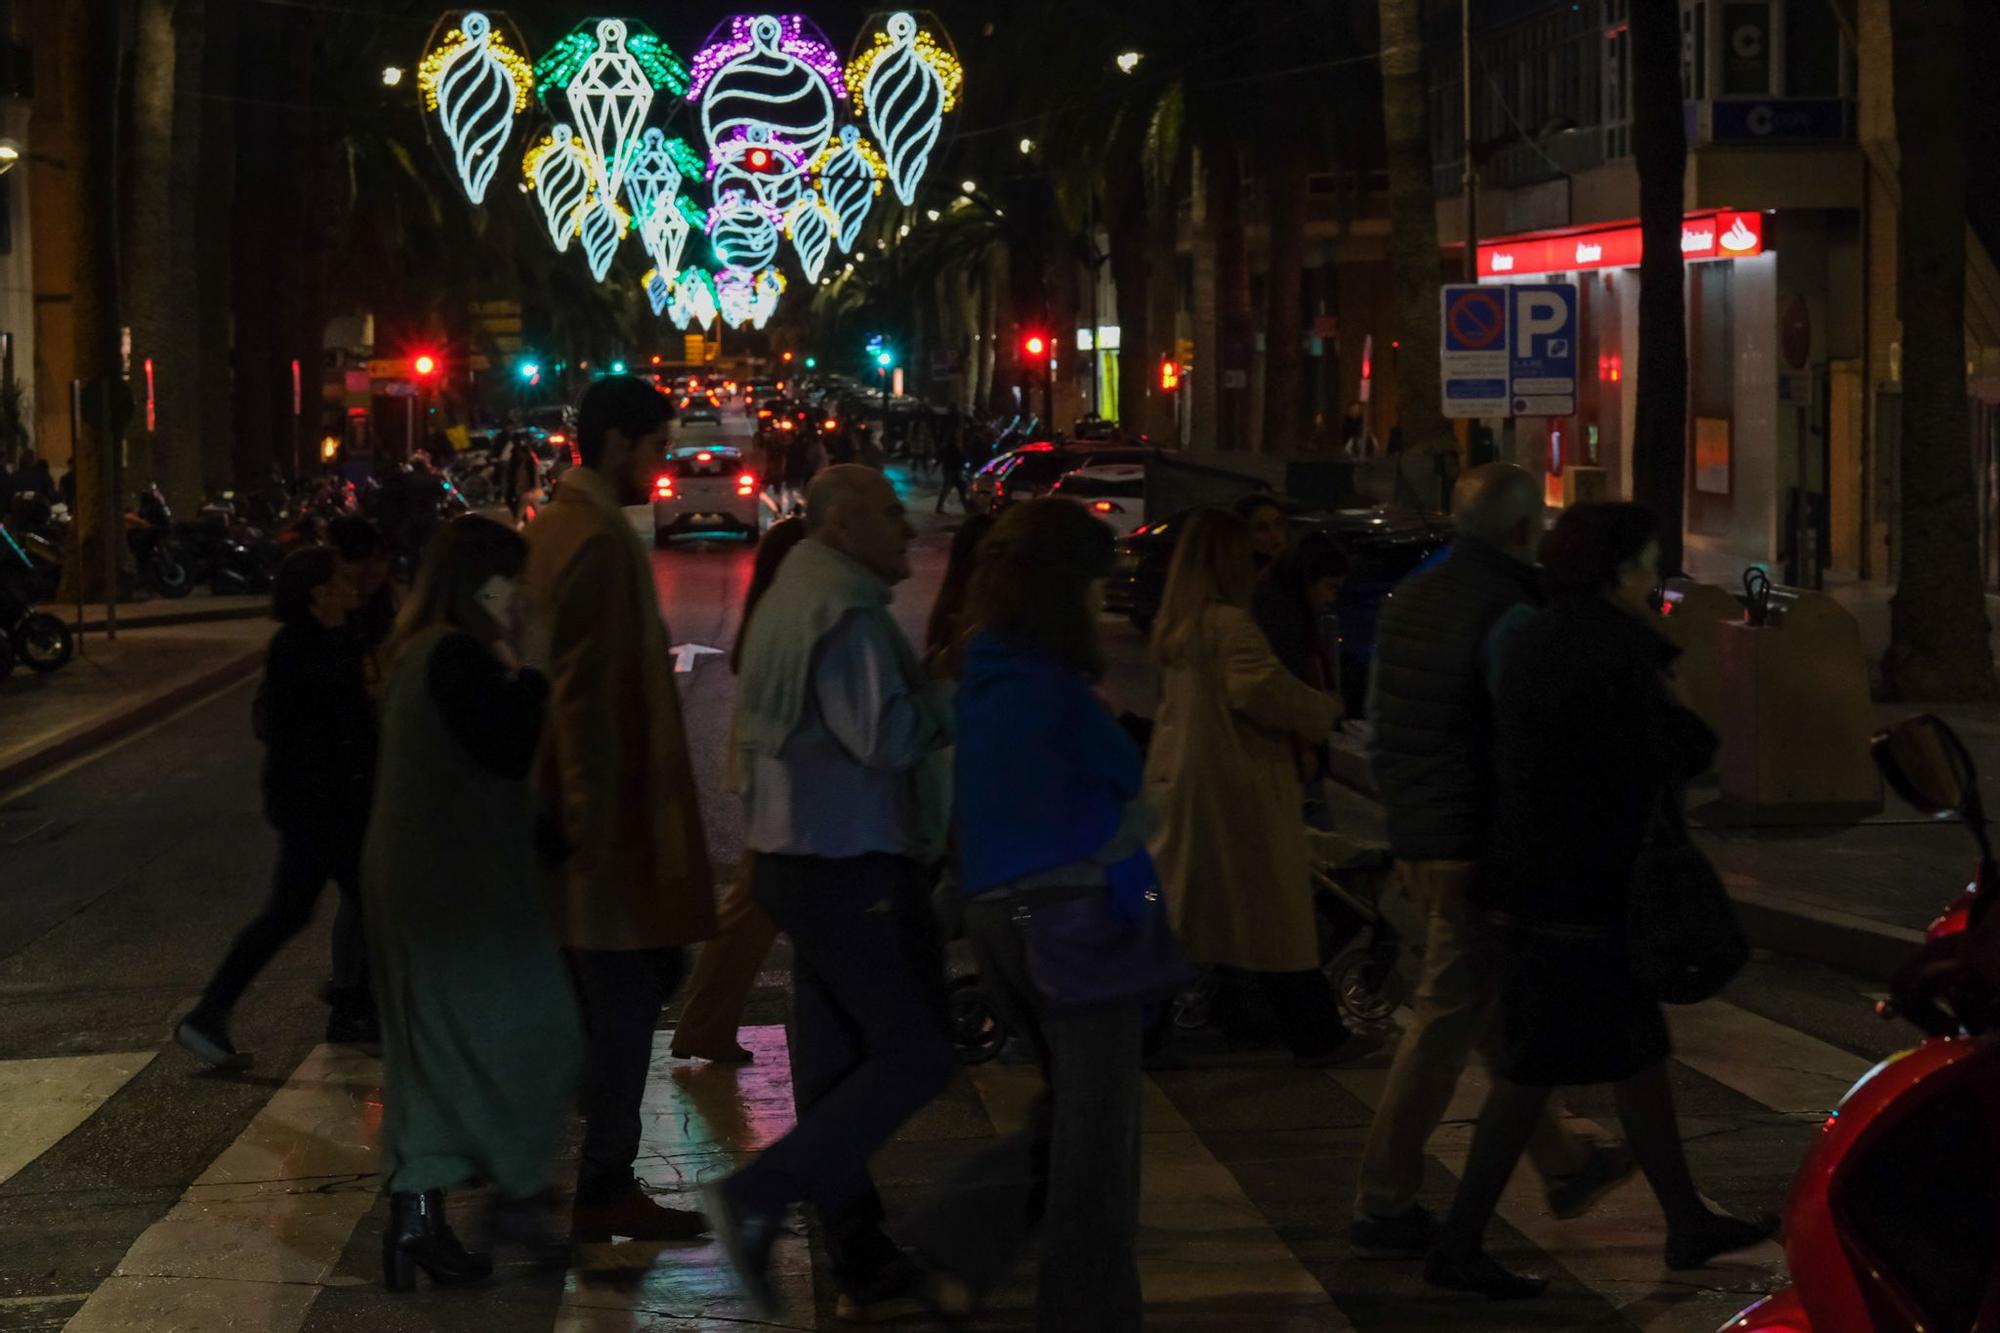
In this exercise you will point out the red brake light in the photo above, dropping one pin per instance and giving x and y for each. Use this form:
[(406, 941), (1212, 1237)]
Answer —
[(704, 457), (1106, 507), (558, 439), (664, 486), (829, 424), (784, 425), (686, 401), (747, 480)]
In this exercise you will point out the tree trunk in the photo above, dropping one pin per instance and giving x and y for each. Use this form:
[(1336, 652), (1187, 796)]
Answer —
[(1659, 149), (1413, 239), (1205, 382), (1939, 638), (1284, 299), (1162, 419), (92, 54), (1235, 322), (162, 356), (215, 193)]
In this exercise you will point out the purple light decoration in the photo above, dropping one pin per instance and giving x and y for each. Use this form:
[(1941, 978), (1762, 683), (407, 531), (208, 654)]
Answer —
[(736, 147), (796, 42)]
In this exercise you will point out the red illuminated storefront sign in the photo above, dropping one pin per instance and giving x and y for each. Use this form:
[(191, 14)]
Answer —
[(1722, 234)]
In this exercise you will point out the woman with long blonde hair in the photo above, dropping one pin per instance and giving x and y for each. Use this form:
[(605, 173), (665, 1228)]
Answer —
[(1223, 776), (481, 1042)]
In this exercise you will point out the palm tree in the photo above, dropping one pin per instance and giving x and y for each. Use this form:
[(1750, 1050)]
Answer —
[(1659, 149), (1940, 645), (1413, 240)]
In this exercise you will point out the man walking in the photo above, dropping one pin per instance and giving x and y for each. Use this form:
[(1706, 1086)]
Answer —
[(1431, 707), (635, 886), (837, 728)]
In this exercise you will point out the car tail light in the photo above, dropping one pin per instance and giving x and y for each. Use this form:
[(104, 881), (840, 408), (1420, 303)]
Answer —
[(664, 488), (785, 425), (746, 484), (763, 414), (558, 439), (704, 458), (829, 424), (686, 401), (1106, 507)]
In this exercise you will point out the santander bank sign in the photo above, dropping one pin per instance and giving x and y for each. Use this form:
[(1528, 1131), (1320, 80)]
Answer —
[(1718, 234)]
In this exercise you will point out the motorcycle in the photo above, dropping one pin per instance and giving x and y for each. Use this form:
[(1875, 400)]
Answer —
[(1893, 1224), (149, 532), (32, 637)]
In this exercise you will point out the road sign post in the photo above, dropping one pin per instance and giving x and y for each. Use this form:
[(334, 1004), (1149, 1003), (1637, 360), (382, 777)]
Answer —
[(1474, 356), (1541, 350), (1509, 349)]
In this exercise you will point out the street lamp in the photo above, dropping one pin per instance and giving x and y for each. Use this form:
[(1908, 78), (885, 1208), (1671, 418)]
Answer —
[(1129, 61), (1027, 147), (970, 187), (392, 76)]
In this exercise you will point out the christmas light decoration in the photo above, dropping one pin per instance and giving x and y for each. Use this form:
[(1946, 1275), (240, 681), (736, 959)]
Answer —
[(558, 172), (810, 226), (904, 84), (600, 225), (650, 175), (477, 84), (756, 167), (796, 38), (699, 286), (663, 69), (657, 291), (677, 306), (610, 96), (765, 293), (848, 176), (744, 233), (765, 85), (735, 290)]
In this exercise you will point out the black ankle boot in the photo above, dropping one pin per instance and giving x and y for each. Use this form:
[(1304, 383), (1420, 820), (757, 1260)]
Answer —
[(419, 1237)]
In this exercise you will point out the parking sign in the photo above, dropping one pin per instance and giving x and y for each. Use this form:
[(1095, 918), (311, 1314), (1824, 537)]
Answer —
[(1541, 349)]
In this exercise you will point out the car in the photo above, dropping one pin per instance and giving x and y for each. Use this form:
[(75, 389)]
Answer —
[(1384, 546), (1029, 471), (1113, 492), (699, 407), (706, 489)]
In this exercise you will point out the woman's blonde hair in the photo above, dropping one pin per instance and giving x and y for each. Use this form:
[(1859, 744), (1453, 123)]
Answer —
[(1212, 566), (463, 555)]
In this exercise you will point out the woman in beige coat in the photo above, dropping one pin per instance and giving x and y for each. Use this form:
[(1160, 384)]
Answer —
[(1223, 775)]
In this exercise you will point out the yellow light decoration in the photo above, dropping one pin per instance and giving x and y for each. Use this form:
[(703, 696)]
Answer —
[(944, 62), (434, 62)]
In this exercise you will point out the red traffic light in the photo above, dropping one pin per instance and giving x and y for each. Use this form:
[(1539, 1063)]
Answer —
[(1170, 375), (787, 356), (1035, 345), (424, 364)]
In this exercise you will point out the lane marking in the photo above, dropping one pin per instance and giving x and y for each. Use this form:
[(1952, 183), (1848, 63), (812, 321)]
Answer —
[(42, 1101)]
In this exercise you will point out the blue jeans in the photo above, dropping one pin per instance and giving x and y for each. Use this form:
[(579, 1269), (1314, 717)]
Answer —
[(869, 1034)]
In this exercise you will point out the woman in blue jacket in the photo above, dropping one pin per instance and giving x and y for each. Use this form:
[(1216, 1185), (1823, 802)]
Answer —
[(1050, 808)]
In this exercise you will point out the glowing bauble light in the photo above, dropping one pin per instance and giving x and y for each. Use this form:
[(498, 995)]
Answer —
[(599, 227), (610, 96), (558, 171), (811, 228), (477, 84), (848, 176), (904, 84), (657, 292), (735, 290), (743, 233), (796, 38), (768, 86), (759, 168)]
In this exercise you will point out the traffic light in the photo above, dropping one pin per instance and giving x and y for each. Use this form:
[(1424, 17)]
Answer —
[(1170, 375), (786, 357), (885, 358), (529, 371), (812, 363), (618, 367), (424, 364), (1035, 346)]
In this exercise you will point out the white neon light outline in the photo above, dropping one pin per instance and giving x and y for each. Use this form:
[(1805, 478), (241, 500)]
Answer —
[(905, 100), (476, 98), (600, 225), (742, 232), (561, 180), (657, 292), (734, 289), (610, 96), (811, 227), (806, 131), (848, 183)]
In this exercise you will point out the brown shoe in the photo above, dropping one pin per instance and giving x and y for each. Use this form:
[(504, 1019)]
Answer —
[(636, 1217)]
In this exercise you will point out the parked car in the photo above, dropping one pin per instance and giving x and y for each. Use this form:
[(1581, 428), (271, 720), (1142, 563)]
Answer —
[(706, 489), (699, 407), (1032, 469), (1113, 492), (1384, 546)]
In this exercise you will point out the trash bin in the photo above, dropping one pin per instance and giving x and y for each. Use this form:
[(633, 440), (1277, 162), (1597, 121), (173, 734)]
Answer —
[(1692, 615), (1796, 715)]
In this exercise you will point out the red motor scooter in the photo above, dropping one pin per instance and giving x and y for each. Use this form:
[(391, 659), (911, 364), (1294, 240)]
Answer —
[(1893, 1225)]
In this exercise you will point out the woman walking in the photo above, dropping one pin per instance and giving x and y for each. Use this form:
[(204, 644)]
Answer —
[(481, 1039), (1050, 810), (1223, 773), (726, 970), (317, 722), (1592, 746)]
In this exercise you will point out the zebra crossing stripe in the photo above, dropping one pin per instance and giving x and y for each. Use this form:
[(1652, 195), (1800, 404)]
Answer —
[(260, 1231), (42, 1101)]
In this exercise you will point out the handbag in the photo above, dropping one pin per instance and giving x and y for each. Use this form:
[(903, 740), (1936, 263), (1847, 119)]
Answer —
[(1683, 942), (1084, 954)]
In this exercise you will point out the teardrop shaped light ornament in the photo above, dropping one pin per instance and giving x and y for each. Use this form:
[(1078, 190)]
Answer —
[(600, 225), (765, 293), (735, 289), (904, 85), (657, 292), (700, 290), (476, 83), (848, 176), (678, 309), (810, 227), (609, 96), (558, 172)]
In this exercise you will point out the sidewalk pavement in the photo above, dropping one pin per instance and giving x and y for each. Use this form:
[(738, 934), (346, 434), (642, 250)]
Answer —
[(1853, 895), (199, 607), (114, 687)]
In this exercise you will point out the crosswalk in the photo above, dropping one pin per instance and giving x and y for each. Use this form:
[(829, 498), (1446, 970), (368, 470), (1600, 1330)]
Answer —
[(1248, 1168)]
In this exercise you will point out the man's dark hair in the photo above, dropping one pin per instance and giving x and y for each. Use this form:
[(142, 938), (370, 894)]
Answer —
[(355, 538), (1033, 578), (301, 574), (620, 402), (1591, 543)]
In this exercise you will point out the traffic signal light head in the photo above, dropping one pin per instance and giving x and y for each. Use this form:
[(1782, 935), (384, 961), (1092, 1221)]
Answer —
[(786, 357), (529, 371), (884, 360), (1170, 375), (424, 364), (1035, 345)]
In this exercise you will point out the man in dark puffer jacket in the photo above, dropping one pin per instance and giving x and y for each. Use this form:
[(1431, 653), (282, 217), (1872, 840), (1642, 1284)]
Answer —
[(1431, 708)]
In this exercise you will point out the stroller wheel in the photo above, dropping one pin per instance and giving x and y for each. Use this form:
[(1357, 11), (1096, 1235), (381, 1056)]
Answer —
[(976, 1030), (1194, 1005), (1368, 991)]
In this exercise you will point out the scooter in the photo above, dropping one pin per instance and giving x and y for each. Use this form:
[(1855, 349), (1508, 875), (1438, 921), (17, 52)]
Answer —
[(1893, 1225)]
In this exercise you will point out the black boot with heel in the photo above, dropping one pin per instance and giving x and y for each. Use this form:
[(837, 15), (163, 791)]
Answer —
[(419, 1237)]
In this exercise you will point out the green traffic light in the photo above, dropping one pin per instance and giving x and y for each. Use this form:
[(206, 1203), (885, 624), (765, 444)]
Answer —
[(618, 367), (812, 363), (884, 360), (529, 370)]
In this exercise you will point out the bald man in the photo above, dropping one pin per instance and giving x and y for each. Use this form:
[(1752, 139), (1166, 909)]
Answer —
[(838, 729), (1437, 653)]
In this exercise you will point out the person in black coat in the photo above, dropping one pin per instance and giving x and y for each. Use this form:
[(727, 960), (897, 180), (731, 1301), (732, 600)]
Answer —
[(1592, 745), (318, 724)]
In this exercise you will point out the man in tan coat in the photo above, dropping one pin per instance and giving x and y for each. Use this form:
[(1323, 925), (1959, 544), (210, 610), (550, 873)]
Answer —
[(619, 796)]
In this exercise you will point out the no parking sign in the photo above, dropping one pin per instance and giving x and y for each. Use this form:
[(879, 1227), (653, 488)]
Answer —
[(1510, 349), (1474, 363)]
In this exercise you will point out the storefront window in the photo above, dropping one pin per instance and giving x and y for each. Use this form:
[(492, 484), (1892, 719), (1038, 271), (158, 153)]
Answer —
[(1711, 398)]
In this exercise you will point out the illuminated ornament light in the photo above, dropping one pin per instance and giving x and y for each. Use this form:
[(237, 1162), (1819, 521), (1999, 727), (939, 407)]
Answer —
[(664, 69), (795, 39), (810, 227), (609, 95), (904, 85), (600, 225), (743, 232), (755, 165), (477, 84), (848, 176), (764, 296), (699, 288), (558, 172), (766, 85), (658, 294), (735, 290), (677, 306)]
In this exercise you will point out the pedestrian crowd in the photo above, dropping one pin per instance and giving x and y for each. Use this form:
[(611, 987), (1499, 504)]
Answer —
[(495, 776)]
